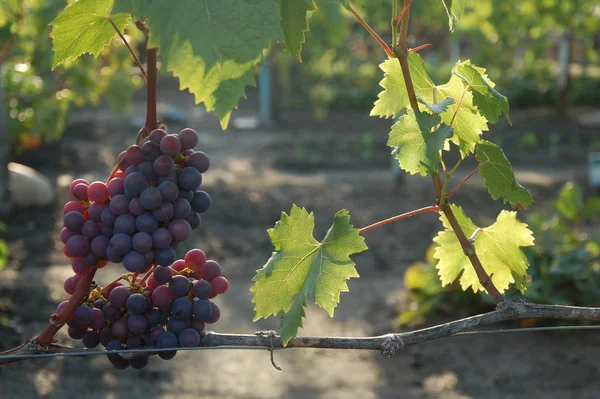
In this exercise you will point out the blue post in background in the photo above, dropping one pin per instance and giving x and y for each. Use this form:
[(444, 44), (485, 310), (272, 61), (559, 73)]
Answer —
[(265, 99)]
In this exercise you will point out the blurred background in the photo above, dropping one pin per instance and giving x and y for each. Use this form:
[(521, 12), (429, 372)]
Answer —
[(304, 136)]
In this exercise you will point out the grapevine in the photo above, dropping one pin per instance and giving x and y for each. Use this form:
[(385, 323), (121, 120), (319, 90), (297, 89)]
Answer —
[(153, 200)]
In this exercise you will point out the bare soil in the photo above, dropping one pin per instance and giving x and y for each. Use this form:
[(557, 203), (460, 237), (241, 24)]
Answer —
[(256, 174)]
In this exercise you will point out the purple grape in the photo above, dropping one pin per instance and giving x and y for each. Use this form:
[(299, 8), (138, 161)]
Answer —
[(169, 191), (147, 169), (80, 268), (113, 256), (65, 234), (163, 165), (90, 229), (119, 205), (137, 324), (189, 179), (215, 314), (83, 315), (179, 286), (107, 217), (199, 161), (116, 186), (156, 331), (95, 210), (161, 238), (146, 223), (187, 195), (166, 340), (139, 363), (181, 208), (90, 260), (156, 135), (97, 319), (171, 177), (164, 213), (135, 207), (111, 312), (118, 297), (150, 151), (197, 325), (134, 262), (141, 242), (77, 332), (136, 303), (202, 289), (195, 221), (189, 337), (120, 243), (211, 270), (176, 326), (163, 274), (153, 317), (202, 309), (181, 308), (135, 183), (133, 154), (161, 296), (78, 245), (188, 138), (106, 336), (170, 145), (80, 191), (180, 229), (131, 169), (201, 201), (134, 342), (91, 339), (164, 256), (124, 224), (74, 220), (151, 198), (119, 328), (98, 304)]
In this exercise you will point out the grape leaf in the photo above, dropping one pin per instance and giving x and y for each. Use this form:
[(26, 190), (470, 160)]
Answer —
[(301, 267), (468, 124), (497, 246), (84, 27), (394, 97), (418, 149), (454, 9), (294, 24), (491, 103), (437, 108), (499, 176), (213, 47)]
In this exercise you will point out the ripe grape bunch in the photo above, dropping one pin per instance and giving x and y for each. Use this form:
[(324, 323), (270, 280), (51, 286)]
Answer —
[(150, 203)]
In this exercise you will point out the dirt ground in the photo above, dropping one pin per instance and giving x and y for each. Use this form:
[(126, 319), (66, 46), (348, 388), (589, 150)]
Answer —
[(255, 175)]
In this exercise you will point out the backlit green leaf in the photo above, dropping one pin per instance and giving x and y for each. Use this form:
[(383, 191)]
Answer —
[(294, 23)]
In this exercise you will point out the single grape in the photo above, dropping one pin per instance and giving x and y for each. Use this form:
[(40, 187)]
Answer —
[(163, 274), (189, 179), (119, 362), (98, 319), (220, 285), (139, 363), (215, 315), (83, 315), (181, 208), (181, 308), (76, 332), (210, 270), (164, 256), (106, 336), (153, 317), (98, 192), (202, 309), (147, 169), (164, 213), (188, 138), (107, 217), (187, 195), (119, 205), (161, 296), (80, 268), (156, 331), (199, 161), (95, 211), (90, 229), (201, 201), (150, 151), (131, 169), (80, 192), (169, 191), (176, 326), (134, 342), (99, 245), (195, 221), (180, 230), (78, 245), (134, 262), (120, 243), (76, 206), (74, 221), (118, 296), (161, 238), (197, 325), (166, 340), (65, 234), (195, 259), (135, 207), (179, 286), (136, 303), (141, 242), (163, 165), (106, 230), (202, 289), (156, 135), (189, 337), (151, 198), (134, 155), (152, 285), (147, 223), (125, 224), (178, 265), (119, 328), (135, 183), (111, 312), (90, 260), (170, 145), (115, 186), (137, 323), (75, 183), (91, 339)]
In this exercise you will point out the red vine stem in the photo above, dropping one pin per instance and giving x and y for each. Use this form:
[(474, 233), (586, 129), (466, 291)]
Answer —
[(432, 208), (108, 287), (148, 274), (135, 58), (374, 34), (151, 118), (453, 191), (460, 101)]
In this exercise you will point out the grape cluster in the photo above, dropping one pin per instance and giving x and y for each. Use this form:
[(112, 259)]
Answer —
[(169, 310), (150, 204)]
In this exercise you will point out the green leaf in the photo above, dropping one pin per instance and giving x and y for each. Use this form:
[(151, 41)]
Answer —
[(213, 47), (468, 124), (437, 108), (418, 148), (84, 27), (570, 201), (499, 176), (394, 98), (454, 9), (491, 103), (302, 267), (294, 23), (497, 246)]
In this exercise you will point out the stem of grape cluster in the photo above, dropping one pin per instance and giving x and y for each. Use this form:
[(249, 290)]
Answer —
[(148, 274), (135, 58), (432, 208), (151, 116)]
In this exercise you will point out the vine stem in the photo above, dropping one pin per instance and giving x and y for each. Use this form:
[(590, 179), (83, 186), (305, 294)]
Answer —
[(373, 34), (388, 344), (460, 101), (453, 191), (151, 116), (432, 208), (148, 274), (135, 58)]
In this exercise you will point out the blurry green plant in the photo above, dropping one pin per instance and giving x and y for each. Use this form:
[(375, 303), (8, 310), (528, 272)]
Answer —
[(564, 264), (3, 248), (38, 100)]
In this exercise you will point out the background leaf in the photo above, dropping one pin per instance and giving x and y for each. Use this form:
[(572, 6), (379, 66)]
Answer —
[(301, 267)]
